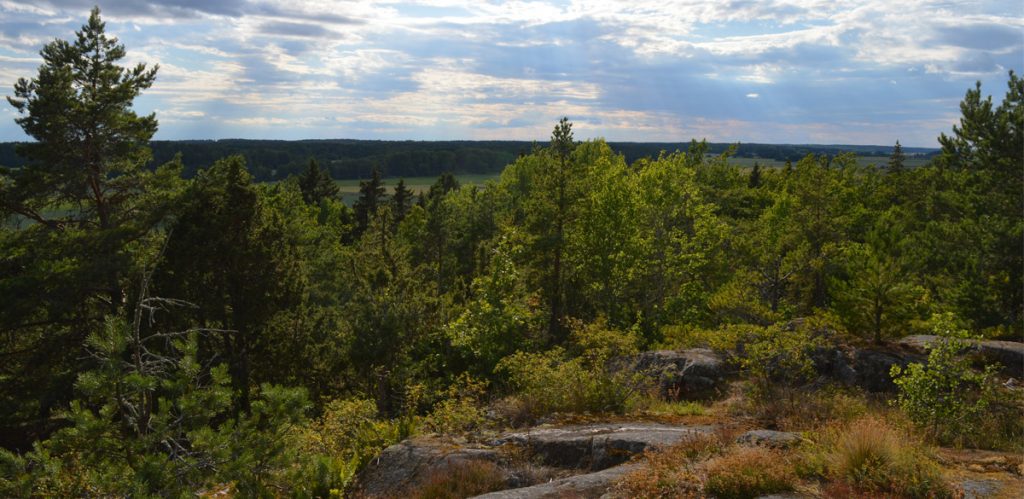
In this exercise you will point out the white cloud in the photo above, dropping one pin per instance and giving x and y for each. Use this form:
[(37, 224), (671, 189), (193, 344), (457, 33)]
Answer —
[(644, 69)]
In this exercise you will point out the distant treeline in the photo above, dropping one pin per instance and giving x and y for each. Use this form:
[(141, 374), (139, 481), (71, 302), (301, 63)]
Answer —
[(352, 159)]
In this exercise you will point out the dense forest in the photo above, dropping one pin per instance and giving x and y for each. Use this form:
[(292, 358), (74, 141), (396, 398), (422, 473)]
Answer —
[(268, 160), (171, 330)]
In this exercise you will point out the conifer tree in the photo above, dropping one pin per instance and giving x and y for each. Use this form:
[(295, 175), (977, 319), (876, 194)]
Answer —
[(316, 184), (755, 176), (401, 201), (896, 159), (371, 197), (88, 202)]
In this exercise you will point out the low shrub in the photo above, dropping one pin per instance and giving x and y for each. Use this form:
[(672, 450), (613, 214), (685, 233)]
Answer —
[(349, 435), (780, 357), (749, 472), (725, 338), (800, 409), (658, 407), (461, 410), (946, 397)]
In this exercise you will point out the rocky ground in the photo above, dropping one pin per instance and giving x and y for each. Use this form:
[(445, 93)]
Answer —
[(586, 459)]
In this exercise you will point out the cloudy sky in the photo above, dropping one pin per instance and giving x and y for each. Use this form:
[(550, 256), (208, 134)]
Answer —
[(796, 71)]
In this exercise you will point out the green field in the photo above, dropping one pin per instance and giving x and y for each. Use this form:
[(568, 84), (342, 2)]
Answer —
[(910, 162), (349, 189)]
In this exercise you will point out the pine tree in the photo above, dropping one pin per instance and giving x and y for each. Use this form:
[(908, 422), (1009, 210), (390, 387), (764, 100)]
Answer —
[(89, 202), (401, 201), (896, 159), (371, 197), (562, 146), (90, 147), (316, 184)]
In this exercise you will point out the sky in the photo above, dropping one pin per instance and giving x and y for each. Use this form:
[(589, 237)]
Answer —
[(772, 71)]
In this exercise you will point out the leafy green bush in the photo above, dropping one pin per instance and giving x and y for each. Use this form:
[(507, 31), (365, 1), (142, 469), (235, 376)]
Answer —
[(461, 410), (780, 357), (945, 396), (348, 435)]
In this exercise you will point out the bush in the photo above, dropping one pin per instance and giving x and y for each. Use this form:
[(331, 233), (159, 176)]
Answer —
[(946, 397), (460, 411), (781, 357), (749, 472), (873, 457), (554, 381), (348, 436)]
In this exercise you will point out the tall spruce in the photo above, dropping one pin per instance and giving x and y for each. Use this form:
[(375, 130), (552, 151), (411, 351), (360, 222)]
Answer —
[(316, 184), (371, 197), (755, 176), (897, 159), (401, 201)]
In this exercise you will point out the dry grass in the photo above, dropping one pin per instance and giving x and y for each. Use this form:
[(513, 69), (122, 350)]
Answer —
[(871, 456), (670, 472), (749, 472), (460, 480)]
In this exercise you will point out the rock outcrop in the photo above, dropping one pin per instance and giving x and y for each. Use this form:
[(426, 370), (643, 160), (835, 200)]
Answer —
[(594, 456), (407, 463), (596, 447), (769, 438), (1010, 354), (693, 374), (579, 486)]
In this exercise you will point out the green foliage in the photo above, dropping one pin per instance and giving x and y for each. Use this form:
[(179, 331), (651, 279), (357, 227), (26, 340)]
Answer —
[(545, 280), (946, 396), (316, 184), (461, 408), (499, 320), (156, 424), (236, 257), (879, 298), (780, 356), (347, 436), (371, 197), (76, 216)]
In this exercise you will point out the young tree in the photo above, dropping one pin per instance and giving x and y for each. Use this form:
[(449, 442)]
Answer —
[(987, 151), (316, 184), (237, 260)]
